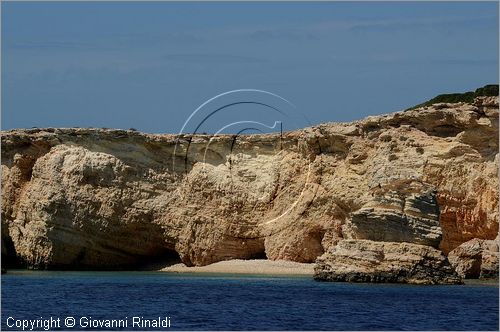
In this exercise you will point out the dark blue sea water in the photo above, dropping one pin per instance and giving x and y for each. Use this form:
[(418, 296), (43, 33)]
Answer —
[(229, 302)]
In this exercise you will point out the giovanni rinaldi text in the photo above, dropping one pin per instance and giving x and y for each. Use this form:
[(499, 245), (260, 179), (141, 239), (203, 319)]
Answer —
[(87, 322)]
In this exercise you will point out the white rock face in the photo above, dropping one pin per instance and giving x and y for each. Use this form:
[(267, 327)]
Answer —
[(96, 198)]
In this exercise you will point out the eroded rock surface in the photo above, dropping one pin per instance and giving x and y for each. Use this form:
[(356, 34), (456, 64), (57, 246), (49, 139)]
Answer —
[(395, 262), (404, 211), (100, 198), (476, 259)]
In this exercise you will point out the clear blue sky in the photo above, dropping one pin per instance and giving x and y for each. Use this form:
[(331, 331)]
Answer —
[(149, 65)]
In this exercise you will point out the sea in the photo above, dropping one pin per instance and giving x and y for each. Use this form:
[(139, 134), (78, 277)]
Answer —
[(51, 300)]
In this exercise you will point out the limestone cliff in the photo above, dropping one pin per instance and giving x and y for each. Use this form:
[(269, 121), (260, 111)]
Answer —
[(100, 198)]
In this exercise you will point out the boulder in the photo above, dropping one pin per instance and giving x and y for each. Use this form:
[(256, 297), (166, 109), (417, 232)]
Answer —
[(393, 262), (476, 259)]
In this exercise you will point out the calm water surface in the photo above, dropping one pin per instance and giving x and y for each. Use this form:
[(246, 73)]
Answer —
[(231, 302)]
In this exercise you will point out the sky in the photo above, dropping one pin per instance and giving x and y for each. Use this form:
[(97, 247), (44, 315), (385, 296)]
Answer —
[(150, 65)]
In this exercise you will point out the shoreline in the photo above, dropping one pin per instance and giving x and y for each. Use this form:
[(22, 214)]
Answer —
[(260, 267), (253, 266)]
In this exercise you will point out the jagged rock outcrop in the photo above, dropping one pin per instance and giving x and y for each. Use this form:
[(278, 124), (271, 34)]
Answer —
[(397, 234), (100, 198), (476, 259), (404, 211), (371, 261)]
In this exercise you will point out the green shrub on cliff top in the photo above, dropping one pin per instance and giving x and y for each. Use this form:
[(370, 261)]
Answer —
[(466, 97), (487, 90)]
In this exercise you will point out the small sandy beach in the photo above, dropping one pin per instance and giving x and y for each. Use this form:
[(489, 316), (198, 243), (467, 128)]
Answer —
[(254, 266)]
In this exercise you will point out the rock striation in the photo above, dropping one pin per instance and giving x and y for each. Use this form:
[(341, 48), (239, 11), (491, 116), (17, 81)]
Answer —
[(394, 262), (404, 211), (112, 199)]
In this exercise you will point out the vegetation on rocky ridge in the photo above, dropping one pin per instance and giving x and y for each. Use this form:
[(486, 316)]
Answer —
[(466, 97)]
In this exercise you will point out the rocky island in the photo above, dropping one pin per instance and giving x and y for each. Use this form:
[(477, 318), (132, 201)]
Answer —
[(406, 197)]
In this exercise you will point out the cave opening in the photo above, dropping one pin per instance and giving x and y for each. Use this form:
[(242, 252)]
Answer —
[(261, 254), (162, 258)]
